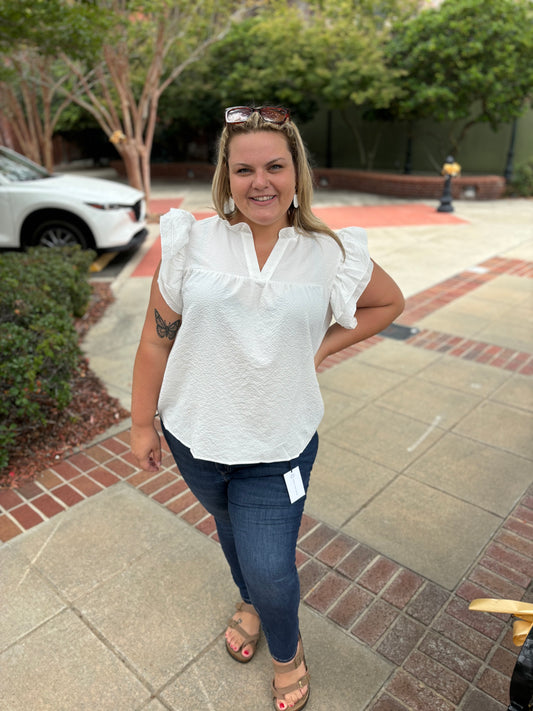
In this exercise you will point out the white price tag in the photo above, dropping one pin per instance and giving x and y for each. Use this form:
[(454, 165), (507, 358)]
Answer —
[(294, 484)]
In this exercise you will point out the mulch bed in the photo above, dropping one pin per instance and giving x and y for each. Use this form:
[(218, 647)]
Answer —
[(91, 412)]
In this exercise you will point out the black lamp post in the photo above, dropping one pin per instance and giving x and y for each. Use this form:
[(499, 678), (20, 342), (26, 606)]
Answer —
[(450, 169), (508, 172)]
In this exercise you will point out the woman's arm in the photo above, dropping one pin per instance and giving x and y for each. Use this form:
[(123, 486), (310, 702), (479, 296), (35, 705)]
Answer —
[(157, 337), (379, 304)]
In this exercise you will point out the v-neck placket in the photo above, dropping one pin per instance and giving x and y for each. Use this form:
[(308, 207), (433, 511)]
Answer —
[(274, 258)]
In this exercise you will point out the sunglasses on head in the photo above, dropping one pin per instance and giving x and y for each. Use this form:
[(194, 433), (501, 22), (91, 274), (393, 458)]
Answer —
[(270, 114)]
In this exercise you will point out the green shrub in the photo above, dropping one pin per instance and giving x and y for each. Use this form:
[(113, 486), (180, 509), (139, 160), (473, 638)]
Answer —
[(522, 181), (58, 273), (41, 292)]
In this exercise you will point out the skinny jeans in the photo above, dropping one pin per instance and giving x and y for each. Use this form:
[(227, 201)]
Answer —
[(258, 528)]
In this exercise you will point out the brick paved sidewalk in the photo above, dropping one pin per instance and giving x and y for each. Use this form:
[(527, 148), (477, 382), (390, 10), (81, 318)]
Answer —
[(446, 657)]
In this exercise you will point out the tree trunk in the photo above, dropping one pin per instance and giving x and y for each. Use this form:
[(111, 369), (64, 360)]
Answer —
[(357, 137), (408, 160), (145, 172), (372, 151), (130, 157)]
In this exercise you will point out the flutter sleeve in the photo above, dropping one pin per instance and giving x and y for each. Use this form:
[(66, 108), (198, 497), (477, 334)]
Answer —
[(175, 228), (352, 277)]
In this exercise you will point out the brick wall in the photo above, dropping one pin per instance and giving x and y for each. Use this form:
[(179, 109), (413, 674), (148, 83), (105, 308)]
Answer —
[(482, 187)]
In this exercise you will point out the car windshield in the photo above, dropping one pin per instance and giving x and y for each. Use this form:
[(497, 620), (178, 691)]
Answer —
[(17, 168)]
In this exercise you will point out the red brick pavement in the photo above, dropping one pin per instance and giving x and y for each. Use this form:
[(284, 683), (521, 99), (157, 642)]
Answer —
[(428, 301)]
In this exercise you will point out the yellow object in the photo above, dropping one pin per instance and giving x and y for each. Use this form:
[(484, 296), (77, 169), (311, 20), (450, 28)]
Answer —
[(522, 610), (452, 169), (102, 261), (117, 137)]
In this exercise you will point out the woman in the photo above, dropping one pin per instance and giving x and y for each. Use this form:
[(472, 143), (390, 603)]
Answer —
[(244, 307)]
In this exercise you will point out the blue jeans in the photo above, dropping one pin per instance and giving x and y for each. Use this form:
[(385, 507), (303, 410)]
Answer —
[(258, 527)]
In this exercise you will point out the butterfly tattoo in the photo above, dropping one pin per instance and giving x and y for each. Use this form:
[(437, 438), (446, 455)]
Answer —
[(164, 329)]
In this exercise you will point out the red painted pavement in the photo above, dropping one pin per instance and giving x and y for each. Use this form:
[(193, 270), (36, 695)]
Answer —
[(148, 264), (159, 206), (385, 216)]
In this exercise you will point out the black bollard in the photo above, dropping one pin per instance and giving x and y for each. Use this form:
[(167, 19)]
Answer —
[(446, 199), (450, 169)]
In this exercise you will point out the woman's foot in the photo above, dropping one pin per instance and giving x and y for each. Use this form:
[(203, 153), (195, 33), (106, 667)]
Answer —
[(290, 687), (243, 633)]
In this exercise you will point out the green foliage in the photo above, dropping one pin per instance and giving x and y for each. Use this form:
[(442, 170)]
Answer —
[(40, 292), (330, 53), (521, 183), (265, 60), (349, 65), (59, 274), (326, 53), (467, 60), (50, 25)]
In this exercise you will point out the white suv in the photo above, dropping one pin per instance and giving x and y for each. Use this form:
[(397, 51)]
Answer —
[(50, 209)]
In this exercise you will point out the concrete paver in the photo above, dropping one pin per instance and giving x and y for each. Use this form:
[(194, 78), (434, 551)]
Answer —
[(426, 530), (467, 376), (484, 425), (63, 665), (516, 391), (28, 599), (482, 476), (385, 437), (89, 538), (343, 482), (420, 500), (428, 402)]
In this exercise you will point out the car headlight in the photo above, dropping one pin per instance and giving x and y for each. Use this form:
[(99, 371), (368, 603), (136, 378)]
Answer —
[(107, 206), (133, 210)]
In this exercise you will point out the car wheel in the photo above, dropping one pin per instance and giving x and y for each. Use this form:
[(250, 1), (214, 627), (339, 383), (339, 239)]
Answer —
[(58, 233)]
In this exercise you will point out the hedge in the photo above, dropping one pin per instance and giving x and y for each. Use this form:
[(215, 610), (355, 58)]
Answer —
[(521, 183), (41, 292)]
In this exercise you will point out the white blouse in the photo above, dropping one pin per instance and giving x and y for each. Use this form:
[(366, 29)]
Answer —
[(240, 385)]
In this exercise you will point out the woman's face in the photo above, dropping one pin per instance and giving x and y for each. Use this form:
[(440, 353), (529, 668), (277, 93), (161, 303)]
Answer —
[(262, 178)]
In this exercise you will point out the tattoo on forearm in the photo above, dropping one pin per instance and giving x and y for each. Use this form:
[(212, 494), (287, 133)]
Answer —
[(164, 329)]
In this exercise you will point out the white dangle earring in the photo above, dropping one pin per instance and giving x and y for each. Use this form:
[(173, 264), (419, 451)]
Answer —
[(229, 205), (295, 201)]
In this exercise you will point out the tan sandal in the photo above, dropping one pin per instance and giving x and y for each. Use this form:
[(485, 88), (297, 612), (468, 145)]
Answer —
[(248, 639), (280, 692)]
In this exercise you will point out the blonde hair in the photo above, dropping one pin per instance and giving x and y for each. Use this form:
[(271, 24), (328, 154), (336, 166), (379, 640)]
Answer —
[(301, 218)]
